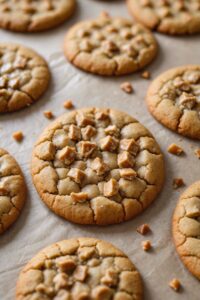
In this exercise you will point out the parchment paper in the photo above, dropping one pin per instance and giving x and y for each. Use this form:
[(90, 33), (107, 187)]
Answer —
[(37, 226)]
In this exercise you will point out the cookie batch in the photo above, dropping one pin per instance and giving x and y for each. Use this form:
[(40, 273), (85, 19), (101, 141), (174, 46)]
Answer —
[(99, 166)]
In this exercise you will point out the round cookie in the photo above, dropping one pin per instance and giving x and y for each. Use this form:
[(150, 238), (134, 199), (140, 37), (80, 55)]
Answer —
[(167, 16), (24, 77), (97, 166), (109, 46), (34, 15), (77, 269), (186, 228), (12, 190), (173, 99)]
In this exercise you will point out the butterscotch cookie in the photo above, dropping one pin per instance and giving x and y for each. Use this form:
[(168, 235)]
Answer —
[(186, 228), (77, 269), (12, 190), (167, 16), (109, 46), (24, 77), (34, 15), (174, 100), (97, 166)]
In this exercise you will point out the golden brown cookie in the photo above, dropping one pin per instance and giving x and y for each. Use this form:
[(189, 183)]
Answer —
[(173, 99), (34, 15), (12, 190), (80, 269), (24, 77), (97, 166), (109, 46), (186, 228), (167, 16)]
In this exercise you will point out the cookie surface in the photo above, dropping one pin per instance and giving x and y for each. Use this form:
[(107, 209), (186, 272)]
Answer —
[(174, 100), (24, 77), (186, 228), (167, 16), (34, 15), (76, 269), (109, 46), (97, 166), (12, 190)]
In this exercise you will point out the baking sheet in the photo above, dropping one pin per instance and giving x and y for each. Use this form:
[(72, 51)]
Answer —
[(37, 226)]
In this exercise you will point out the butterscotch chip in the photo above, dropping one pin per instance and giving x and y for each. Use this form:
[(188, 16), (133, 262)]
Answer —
[(197, 153), (67, 264), (24, 76), (97, 166), (33, 16), (111, 188), (112, 46), (68, 104), (175, 149), (79, 197), (48, 114), (114, 277), (170, 17), (77, 175), (74, 133), (186, 228), (86, 149), (18, 136), (88, 132), (81, 273), (172, 99), (127, 87), (143, 229), (109, 143), (146, 245), (67, 155), (146, 75), (12, 190), (128, 173), (125, 160), (112, 130), (178, 182), (175, 284), (129, 145)]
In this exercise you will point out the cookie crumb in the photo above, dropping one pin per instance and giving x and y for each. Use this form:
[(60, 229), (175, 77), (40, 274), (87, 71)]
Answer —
[(143, 229), (175, 149), (104, 14), (178, 182), (48, 114), (68, 104), (197, 153), (146, 75), (18, 136), (175, 284), (127, 87), (146, 245)]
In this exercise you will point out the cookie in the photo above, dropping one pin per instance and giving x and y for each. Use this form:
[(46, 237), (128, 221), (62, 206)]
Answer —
[(167, 16), (24, 77), (97, 166), (80, 269), (174, 100), (34, 15), (109, 46), (186, 228), (12, 190)]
